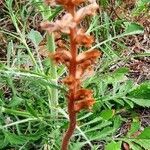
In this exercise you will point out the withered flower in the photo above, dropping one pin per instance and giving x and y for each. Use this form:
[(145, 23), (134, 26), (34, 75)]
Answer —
[(79, 65)]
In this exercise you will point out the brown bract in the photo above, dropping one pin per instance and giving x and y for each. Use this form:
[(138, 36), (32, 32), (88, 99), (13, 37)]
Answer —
[(83, 100), (89, 10), (91, 55), (61, 43), (84, 73), (82, 38), (85, 104), (62, 25), (72, 82), (82, 94), (65, 3), (62, 56)]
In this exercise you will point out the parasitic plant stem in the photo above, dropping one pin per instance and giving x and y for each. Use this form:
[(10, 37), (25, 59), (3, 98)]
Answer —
[(72, 125), (80, 65), (71, 98)]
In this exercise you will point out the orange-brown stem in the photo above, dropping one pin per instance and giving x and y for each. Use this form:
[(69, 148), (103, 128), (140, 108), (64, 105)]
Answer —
[(72, 125), (72, 92)]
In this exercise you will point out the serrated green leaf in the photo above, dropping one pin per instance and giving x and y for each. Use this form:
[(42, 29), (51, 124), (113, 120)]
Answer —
[(98, 135), (133, 28), (143, 143), (98, 127), (131, 104), (119, 101), (134, 146), (141, 102), (126, 87), (14, 139), (141, 140), (142, 91)]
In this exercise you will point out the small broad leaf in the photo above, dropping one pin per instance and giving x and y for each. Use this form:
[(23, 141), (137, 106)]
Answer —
[(76, 145), (113, 146), (119, 101), (117, 121), (115, 78), (35, 37), (145, 134), (14, 139), (135, 126), (122, 70), (133, 28), (118, 75), (107, 114), (15, 101)]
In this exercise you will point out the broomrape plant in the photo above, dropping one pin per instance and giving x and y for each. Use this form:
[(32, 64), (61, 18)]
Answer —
[(79, 65)]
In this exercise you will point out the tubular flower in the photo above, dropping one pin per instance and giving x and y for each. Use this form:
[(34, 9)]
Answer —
[(80, 65)]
